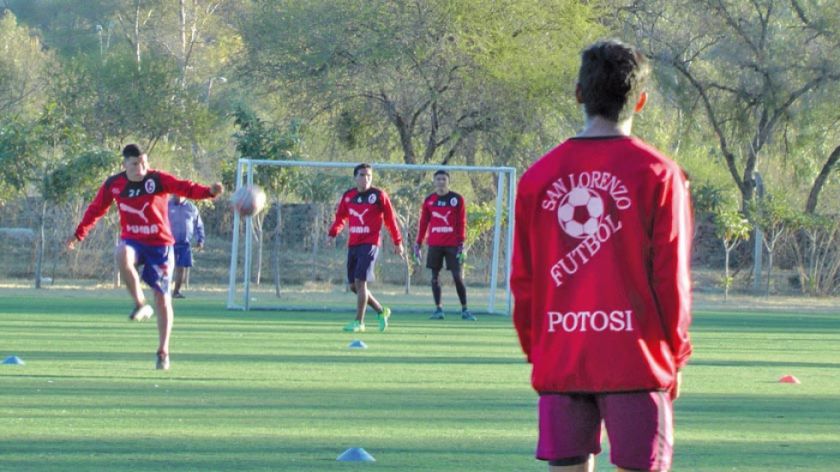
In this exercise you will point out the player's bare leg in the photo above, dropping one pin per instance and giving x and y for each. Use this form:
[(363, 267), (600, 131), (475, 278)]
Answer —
[(179, 279), (165, 317), (371, 301), (126, 258), (588, 466), (364, 298)]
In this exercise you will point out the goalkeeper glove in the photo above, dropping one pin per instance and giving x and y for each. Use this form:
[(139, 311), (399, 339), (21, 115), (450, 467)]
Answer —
[(462, 254), (416, 253)]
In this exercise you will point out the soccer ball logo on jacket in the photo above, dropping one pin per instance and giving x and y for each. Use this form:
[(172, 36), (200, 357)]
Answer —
[(580, 212)]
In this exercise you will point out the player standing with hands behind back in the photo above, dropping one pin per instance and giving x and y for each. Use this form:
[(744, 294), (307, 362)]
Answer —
[(444, 217), (141, 194), (365, 208), (601, 278)]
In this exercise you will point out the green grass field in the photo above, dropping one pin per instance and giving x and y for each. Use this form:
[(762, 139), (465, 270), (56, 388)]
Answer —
[(281, 391)]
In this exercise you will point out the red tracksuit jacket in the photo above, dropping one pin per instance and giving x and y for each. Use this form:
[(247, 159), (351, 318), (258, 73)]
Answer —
[(600, 276), (444, 217), (365, 212), (143, 206)]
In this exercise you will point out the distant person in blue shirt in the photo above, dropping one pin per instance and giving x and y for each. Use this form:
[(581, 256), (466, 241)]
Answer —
[(186, 224)]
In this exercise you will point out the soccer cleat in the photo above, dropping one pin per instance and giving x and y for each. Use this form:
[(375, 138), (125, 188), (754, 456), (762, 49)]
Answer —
[(466, 315), (142, 313), (178, 295), (162, 361), (438, 314), (354, 327), (383, 318)]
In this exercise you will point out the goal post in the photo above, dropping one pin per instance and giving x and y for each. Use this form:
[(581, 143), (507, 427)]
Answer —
[(324, 288)]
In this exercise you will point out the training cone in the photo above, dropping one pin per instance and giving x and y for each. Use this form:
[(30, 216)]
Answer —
[(13, 360), (789, 379), (357, 344), (355, 454)]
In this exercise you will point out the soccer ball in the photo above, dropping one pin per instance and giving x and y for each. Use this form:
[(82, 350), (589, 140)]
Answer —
[(248, 200), (580, 212)]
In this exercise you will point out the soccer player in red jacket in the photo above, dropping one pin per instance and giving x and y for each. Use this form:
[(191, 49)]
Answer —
[(365, 208), (601, 278), (142, 197), (444, 217)]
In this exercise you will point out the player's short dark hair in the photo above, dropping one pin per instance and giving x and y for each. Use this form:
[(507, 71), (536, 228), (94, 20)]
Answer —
[(360, 167), (611, 78), (442, 172), (131, 150)]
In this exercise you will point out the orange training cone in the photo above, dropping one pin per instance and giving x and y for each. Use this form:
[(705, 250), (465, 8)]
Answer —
[(789, 379)]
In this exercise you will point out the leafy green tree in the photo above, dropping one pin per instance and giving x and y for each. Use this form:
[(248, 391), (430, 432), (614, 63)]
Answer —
[(49, 158), (25, 68), (113, 101), (817, 253), (732, 228), (775, 218), (410, 73), (258, 139), (748, 65)]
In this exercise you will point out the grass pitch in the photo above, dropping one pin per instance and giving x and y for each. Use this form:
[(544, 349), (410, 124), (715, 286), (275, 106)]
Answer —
[(281, 391)]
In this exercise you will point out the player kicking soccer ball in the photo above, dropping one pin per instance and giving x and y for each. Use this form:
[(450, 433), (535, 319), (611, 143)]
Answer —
[(444, 217), (142, 197), (364, 208), (601, 279)]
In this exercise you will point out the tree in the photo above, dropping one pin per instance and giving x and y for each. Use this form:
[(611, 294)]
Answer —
[(258, 139), (732, 228), (52, 159), (748, 64), (24, 68), (417, 73), (113, 101), (775, 218)]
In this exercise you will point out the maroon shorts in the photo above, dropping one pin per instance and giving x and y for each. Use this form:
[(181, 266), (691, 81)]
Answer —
[(639, 426)]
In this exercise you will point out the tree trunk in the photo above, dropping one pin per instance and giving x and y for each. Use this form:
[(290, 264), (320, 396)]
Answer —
[(137, 33), (726, 272), (771, 250), (41, 238), (275, 249), (316, 238), (819, 182)]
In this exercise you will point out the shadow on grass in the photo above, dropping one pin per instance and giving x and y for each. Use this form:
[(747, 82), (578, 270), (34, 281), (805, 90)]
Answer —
[(755, 363), (279, 359), (244, 453), (799, 323)]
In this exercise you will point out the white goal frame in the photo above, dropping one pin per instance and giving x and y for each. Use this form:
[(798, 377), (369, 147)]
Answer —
[(505, 188)]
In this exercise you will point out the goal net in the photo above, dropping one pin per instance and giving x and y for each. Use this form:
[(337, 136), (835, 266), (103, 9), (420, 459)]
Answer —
[(282, 259)]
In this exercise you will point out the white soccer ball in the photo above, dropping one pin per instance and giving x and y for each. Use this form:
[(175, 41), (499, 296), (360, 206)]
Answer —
[(248, 200), (580, 212)]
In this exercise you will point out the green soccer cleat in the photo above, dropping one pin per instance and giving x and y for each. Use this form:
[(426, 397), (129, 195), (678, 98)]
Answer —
[(467, 316), (438, 314), (383, 318), (354, 327)]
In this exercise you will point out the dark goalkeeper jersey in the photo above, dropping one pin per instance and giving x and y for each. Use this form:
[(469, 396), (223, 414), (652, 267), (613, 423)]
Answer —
[(444, 218)]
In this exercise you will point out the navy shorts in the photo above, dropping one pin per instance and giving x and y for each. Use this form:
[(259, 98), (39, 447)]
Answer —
[(360, 262), (183, 255), (438, 254), (157, 262)]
